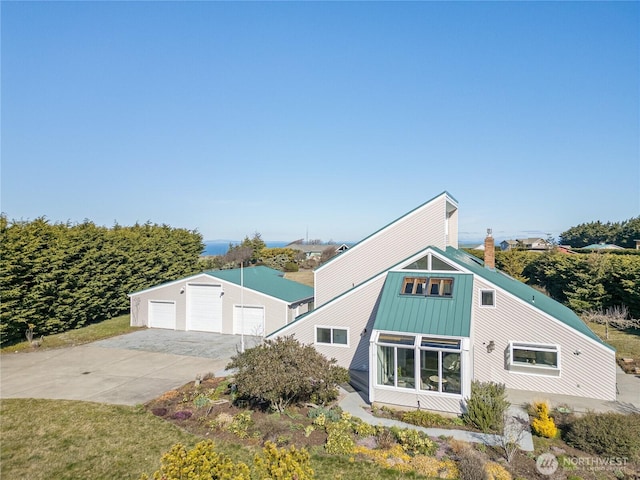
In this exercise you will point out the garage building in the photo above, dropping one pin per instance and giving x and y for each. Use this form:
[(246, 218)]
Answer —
[(253, 301)]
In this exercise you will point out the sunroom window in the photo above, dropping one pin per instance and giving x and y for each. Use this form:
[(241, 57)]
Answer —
[(432, 364), (396, 361)]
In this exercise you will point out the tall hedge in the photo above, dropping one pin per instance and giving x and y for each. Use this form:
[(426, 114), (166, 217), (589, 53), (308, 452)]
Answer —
[(589, 282), (62, 276)]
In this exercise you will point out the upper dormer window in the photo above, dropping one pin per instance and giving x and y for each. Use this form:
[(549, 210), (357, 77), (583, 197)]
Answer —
[(433, 287), (414, 285), (440, 287)]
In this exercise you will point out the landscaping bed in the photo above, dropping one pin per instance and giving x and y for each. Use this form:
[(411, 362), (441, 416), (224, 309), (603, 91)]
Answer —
[(206, 408)]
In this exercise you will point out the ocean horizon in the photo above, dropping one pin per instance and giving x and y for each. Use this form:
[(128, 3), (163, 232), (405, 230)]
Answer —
[(221, 247)]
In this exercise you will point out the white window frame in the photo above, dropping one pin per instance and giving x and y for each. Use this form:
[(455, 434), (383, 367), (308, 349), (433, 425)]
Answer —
[(332, 343), (417, 348), (534, 369), (483, 290)]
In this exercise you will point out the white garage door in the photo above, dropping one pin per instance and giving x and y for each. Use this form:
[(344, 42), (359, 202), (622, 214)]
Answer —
[(162, 314), (204, 307), (253, 320)]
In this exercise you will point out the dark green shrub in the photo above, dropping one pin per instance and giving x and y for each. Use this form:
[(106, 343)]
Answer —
[(612, 434), (486, 406), (331, 414), (281, 372)]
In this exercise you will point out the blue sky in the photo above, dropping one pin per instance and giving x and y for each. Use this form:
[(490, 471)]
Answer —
[(321, 119)]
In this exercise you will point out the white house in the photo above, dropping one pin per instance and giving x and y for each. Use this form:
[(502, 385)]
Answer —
[(418, 319)]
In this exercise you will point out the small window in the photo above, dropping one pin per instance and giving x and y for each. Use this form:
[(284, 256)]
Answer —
[(332, 336), (487, 298), (440, 287), (414, 285)]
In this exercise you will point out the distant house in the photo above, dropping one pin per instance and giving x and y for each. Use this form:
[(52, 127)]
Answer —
[(637, 244), (507, 245), (416, 319), (314, 252), (525, 244), (602, 246)]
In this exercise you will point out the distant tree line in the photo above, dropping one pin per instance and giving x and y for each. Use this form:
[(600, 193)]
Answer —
[(622, 233), (62, 276)]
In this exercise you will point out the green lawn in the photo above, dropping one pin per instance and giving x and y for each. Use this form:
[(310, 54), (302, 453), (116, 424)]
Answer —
[(91, 333), (63, 439)]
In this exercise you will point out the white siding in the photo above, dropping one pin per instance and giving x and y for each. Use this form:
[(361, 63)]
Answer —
[(168, 292), (590, 374), (356, 311), (439, 403), (417, 230)]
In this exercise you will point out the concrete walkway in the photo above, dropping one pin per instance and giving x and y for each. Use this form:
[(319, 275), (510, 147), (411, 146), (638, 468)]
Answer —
[(627, 398), (353, 403)]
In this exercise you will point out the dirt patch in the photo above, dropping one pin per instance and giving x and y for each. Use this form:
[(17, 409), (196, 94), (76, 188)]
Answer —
[(206, 409), (629, 365)]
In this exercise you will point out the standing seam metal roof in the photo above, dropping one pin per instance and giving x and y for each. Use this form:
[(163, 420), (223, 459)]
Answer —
[(265, 280), (447, 316)]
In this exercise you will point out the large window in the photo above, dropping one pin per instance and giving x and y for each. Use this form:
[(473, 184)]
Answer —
[(396, 361), (333, 336), (430, 364), (534, 358)]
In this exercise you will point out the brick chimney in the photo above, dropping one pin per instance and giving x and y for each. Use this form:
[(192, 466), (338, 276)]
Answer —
[(489, 251)]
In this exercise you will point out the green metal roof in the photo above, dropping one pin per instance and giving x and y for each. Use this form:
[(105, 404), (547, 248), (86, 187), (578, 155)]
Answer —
[(522, 291), (266, 280), (449, 316)]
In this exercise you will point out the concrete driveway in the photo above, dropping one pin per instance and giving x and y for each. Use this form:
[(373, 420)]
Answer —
[(130, 369)]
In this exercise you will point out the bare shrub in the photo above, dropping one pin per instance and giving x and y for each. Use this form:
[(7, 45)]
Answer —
[(616, 317)]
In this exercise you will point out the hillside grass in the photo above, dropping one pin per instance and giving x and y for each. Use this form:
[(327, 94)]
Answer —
[(64, 439), (626, 342), (96, 331), (302, 276)]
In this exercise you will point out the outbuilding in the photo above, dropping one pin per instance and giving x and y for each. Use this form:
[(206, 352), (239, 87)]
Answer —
[(250, 301)]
